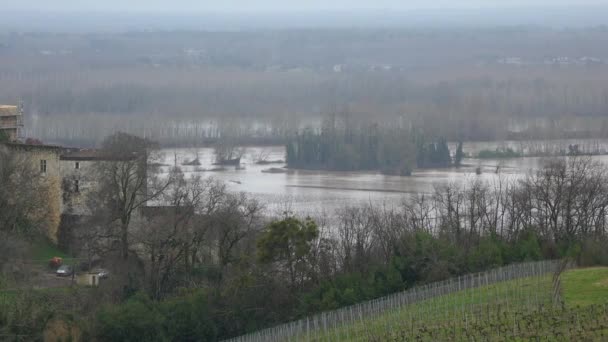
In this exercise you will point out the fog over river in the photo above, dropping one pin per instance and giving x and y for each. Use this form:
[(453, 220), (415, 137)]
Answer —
[(314, 192)]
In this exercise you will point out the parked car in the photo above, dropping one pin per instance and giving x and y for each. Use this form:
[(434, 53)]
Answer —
[(64, 271), (102, 273)]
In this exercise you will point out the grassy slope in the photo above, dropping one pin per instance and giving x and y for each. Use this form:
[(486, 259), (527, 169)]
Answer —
[(580, 287), (40, 252), (585, 286)]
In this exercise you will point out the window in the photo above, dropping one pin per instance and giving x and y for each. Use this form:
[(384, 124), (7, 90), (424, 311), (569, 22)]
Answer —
[(77, 165), (43, 166), (76, 185)]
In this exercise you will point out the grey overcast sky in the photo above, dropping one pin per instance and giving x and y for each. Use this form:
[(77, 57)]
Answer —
[(275, 5)]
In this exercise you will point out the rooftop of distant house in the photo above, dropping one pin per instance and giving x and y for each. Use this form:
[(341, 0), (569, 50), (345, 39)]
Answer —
[(82, 154)]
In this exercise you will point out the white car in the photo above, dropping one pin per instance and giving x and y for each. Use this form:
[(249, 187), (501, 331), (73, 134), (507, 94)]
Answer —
[(102, 273), (64, 271)]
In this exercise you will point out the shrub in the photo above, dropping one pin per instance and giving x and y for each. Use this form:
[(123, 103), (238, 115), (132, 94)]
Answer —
[(138, 319), (189, 318), (593, 252)]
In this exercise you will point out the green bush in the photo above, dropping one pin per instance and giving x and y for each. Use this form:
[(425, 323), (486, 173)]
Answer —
[(138, 319), (184, 318), (488, 254), (189, 318), (527, 247), (25, 312)]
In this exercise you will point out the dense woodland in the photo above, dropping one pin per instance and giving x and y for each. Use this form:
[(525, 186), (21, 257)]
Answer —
[(215, 264), (181, 87)]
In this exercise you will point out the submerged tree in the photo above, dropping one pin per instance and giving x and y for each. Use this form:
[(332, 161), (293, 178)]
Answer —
[(432, 154), (459, 154), (396, 154), (227, 150), (350, 146)]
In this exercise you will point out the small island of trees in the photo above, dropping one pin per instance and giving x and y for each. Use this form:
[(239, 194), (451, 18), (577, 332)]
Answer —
[(345, 146)]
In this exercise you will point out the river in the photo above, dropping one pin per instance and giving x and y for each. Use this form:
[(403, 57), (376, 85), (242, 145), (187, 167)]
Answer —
[(312, 192)]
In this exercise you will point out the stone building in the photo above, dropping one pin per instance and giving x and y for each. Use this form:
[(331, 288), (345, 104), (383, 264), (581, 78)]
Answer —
[(71, 177), (80, 171), (46, 159), (11, 121), (78, 179)]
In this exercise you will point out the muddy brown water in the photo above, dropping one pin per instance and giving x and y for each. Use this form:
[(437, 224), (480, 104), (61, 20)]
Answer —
[(314, 192)]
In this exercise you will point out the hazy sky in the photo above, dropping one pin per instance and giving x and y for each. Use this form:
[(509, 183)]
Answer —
[(274, 5)]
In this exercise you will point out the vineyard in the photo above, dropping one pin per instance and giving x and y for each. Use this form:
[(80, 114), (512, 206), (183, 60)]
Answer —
[(518, 302), (544, 324)]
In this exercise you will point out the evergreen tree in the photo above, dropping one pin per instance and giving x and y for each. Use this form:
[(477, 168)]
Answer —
[(459, 155)]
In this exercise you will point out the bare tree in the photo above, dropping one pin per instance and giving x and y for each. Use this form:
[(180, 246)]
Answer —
[(126, 183), (450, 203), (227, 150), (238, 219), (166, 231), (210, 199), (356, 238)]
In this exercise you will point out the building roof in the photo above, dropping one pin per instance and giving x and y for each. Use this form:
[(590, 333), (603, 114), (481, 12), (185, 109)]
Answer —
[(89, 155), (80, 154), (29, 147)]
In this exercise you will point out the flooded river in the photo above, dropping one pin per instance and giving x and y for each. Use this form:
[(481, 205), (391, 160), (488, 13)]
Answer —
[(311, 192)]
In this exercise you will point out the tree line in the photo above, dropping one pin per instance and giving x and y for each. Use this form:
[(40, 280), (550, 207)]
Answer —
[(170, 85)]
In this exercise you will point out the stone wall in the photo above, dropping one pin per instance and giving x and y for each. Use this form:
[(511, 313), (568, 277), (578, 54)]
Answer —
[(45, 159), (77, 185)]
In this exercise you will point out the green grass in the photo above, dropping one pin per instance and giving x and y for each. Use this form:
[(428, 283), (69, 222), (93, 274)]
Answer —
[(41, 251), (45, 250), (464, 313), (586, 286), (7, 297), (509, 296), (39, 254)]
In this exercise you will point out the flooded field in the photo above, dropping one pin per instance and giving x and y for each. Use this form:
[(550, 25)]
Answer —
[(310, 192)]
